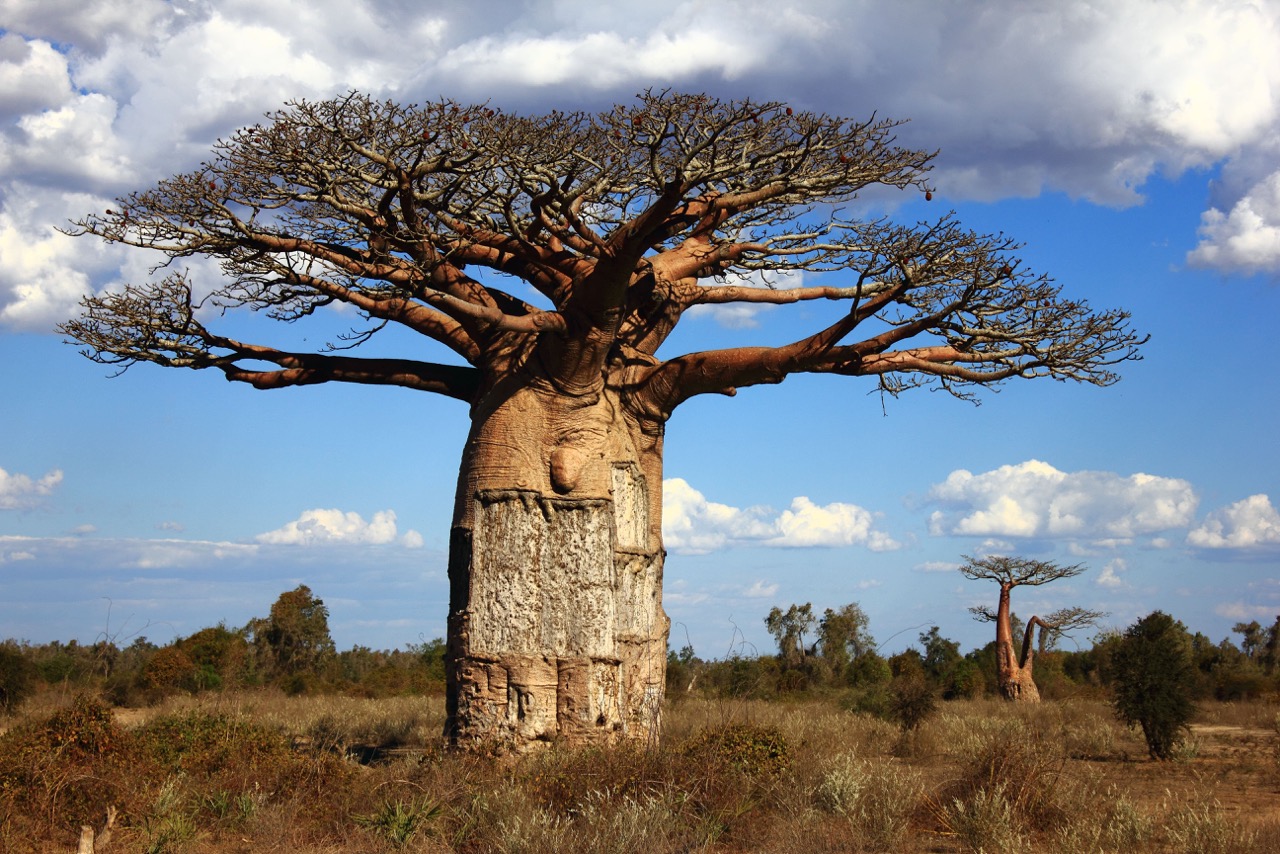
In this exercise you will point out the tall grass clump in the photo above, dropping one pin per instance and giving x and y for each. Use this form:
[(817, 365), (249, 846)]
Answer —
[(985, 821), (1106, 821), (878, 797), (1196, 824)]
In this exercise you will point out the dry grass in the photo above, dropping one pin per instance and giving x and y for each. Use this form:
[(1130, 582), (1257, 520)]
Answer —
[(263, 772)]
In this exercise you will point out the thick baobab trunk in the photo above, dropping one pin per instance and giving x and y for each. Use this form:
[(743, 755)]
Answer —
[(556, 627), (1014, 673)]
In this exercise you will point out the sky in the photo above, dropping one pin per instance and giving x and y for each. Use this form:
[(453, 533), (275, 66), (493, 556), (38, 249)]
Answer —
[(1132, 146)]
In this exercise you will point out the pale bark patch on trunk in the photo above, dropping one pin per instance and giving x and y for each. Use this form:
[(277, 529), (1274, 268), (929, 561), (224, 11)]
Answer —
[(566, 634)]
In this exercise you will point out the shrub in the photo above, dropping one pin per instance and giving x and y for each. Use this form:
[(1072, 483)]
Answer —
[(985, 822), (911, 700), (1152, 680), (201, 743), (65, 766), (1026, 771), (17, 677), (753, 750), (877, 797), (399, 821)]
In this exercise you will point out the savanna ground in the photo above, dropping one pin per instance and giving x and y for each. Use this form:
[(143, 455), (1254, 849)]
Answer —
[(259, 771)]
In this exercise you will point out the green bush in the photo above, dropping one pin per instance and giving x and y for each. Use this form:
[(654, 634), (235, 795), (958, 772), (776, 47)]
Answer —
[(911, 700), (17, 677), (753, 750), (1152, 681)]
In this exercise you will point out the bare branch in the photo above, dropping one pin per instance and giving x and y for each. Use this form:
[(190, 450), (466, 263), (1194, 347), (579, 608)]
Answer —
[(623, 220), (1016, 571)]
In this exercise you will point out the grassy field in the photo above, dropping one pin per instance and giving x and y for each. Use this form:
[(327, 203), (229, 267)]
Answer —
[(262, 772)]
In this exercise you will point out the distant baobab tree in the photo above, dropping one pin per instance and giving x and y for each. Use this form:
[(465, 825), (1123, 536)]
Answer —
[(1014, 671)]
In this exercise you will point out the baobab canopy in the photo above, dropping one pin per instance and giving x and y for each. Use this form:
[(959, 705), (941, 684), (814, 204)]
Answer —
[(608, 227), (647, 209)]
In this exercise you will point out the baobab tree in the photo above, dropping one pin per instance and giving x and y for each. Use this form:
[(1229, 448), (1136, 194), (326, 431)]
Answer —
[(1014, 672), (613, 225)]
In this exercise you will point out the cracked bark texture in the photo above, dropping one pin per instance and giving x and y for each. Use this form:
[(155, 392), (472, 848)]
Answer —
[(557, 630)]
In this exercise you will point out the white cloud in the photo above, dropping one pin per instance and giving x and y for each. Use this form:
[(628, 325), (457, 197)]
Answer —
[(19, 491), (1110, 575), (323, 527), (693, 525), (761, 590), (1034, 499), (746, 315), (89, 26), (1091, 100), (1246, 239), (1243, 611), (1249, 523), (33, 76), (937, 566), (835, 524)]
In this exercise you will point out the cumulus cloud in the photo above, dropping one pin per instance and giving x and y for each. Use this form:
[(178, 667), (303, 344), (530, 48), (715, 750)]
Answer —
[(693, 525), (1110, 575), (33, 76), (1019, 97), (20, 492), (1245, 239), (1034, 499), (323, 527), (1250, 523), (89, 26)]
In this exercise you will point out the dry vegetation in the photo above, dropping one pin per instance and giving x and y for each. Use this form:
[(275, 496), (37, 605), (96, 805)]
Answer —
[(262, 772)]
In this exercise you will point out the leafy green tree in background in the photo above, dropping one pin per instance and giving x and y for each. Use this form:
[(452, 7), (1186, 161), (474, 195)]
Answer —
[(17, 676), (295, 638), (843, 636), (1253, 639), (1271, 652), (788, 629), (1153, 677)]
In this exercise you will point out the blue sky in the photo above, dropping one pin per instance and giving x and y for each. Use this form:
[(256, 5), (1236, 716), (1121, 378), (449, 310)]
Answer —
[(1131, 146)]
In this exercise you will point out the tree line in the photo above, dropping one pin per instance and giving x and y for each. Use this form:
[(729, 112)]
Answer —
[(1154, 671), (836, 652), (290, 649)]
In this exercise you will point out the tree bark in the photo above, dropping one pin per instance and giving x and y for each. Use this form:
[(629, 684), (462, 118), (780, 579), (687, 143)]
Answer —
[(1014, 673), (556, 626)]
